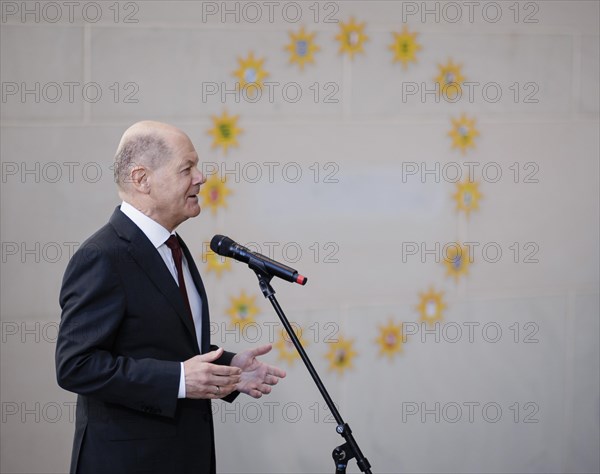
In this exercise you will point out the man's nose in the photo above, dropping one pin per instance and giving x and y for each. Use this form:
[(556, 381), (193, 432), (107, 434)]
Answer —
[(199, 178)]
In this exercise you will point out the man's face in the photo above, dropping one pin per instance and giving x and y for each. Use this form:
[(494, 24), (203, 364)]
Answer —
[(174, 186)]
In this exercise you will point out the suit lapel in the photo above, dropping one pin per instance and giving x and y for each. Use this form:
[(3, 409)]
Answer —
[(150, 261)]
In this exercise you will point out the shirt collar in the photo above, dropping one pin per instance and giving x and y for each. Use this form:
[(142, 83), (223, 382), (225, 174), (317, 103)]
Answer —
[(155, 232)]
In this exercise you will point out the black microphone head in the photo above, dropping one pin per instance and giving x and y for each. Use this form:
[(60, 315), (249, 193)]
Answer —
[(221, 245)]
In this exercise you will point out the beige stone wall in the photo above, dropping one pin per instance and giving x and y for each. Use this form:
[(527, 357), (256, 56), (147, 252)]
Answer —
[(344, 205)]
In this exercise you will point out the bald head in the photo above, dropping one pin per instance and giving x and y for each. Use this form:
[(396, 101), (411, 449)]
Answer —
[(156, 170), (146, 144)]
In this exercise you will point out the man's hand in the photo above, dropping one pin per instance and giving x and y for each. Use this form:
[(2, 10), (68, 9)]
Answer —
[(256, 378), (206, 380)]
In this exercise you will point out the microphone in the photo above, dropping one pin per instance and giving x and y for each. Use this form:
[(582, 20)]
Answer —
[(226, 247)]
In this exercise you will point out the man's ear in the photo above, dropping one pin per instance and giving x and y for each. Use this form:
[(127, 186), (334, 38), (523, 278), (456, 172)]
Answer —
[(139, 179)]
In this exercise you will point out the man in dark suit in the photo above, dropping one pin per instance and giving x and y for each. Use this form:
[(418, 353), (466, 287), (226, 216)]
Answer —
[(134, 340)]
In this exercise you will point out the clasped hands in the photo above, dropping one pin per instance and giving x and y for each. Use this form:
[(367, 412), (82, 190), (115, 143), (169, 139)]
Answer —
[(246, 374)]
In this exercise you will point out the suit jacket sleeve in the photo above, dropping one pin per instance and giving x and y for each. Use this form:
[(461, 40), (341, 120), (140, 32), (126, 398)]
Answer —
[(93, 306)]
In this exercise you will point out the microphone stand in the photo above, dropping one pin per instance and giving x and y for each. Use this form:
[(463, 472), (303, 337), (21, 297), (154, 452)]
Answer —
[(345, 452)]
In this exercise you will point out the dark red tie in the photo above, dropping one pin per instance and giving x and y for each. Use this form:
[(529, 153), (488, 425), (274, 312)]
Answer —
[(173, 244)]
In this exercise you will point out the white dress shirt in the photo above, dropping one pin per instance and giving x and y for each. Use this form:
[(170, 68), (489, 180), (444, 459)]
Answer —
[(158, 235)]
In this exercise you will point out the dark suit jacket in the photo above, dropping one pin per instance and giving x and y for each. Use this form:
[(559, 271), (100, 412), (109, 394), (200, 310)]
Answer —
[(124, 332)]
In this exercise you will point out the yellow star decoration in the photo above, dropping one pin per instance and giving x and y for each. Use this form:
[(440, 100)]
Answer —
[(214, 192), (405, 47), (225, 131), (431, 306), (351, 37), (457, 260), (467, 196), (463, 133), (302, 48), (242, 310), (390, 340), (340, 355), (250, 73), (286, 348), (215, 263), (450, 80)]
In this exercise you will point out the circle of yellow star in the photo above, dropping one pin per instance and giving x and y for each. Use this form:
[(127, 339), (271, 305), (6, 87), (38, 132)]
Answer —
[(302, 47), (405, 47), (340, 355), (467, 196), (242, 310), (214, 192), (431, 306), (390, 340), (225, 131), (450, 79), (457, 260), (463, 133), (285, 346), (215, 263), (250, 73), (351, 37)]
